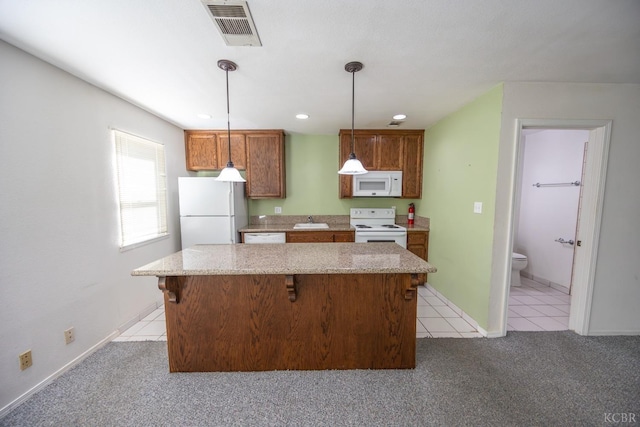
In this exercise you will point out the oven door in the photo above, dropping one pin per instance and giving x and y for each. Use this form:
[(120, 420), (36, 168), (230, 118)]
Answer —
[(399, 237)]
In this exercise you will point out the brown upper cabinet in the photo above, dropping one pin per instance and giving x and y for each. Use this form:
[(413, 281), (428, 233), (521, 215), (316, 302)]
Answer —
[(238, 150), (265, 165), (209, 150), (201, 150), (385, 150), (259, 152)]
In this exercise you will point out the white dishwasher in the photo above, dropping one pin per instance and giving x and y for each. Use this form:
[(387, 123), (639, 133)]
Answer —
[(251, 238)]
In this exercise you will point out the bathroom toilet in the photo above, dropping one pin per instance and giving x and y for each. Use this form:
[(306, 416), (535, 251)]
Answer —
[(518, 262)]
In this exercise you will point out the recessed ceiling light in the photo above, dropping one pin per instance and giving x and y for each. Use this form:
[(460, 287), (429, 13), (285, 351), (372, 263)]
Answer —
[(204, 116), (399, 117), (302, 116)]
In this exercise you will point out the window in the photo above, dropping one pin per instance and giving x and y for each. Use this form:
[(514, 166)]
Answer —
[(142, 189)]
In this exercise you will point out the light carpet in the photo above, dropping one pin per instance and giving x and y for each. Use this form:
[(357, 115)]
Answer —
[(524, 379)]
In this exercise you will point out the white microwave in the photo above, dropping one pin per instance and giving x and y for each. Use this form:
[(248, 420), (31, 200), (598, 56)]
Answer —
[(378, 184)]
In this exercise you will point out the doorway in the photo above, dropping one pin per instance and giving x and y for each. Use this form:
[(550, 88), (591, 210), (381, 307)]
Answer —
[(546, 213), (589, 218)]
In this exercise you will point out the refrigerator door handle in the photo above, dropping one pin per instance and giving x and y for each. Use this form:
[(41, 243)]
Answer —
[(232, 212)]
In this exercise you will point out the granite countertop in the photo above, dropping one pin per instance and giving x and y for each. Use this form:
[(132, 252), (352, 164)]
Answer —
[(413, 227), (287, 258), (273, 228), (284, 223)]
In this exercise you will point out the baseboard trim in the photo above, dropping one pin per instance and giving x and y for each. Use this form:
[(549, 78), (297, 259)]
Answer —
[(42, 384), (144, 313), (483, 332), (470, 320), (115, 334), (629, 332)]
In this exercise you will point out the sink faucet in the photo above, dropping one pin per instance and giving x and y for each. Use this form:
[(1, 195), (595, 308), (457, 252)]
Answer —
[(310, 219)]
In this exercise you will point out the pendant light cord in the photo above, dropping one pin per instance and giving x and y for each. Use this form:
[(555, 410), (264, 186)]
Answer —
[(229, 163), (353, 110)]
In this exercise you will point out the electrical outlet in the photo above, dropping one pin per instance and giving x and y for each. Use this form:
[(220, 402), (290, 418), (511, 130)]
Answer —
[(278, 209), (69, 335), (477, 207), (25, 360)]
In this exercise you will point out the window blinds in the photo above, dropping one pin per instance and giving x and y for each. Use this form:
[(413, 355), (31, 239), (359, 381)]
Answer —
[(142, 189)]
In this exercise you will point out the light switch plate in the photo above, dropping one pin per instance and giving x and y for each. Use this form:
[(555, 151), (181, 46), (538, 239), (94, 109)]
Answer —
[(477, 207)]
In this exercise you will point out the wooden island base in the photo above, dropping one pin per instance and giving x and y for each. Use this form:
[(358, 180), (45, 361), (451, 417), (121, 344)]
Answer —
[(290, 322)]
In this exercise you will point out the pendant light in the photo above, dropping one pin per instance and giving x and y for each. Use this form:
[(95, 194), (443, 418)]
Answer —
[(353, 166), (230, 173)]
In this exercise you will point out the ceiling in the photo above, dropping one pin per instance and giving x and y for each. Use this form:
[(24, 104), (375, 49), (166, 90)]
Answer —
[(423, 58)]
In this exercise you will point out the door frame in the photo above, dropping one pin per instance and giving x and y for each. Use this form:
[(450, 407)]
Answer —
[(589, 219)]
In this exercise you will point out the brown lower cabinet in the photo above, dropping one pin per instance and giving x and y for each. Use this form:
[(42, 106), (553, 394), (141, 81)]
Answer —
[(320, 236), (418, 244)]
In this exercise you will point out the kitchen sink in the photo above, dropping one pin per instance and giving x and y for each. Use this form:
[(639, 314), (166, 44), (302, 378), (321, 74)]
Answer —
[(310, 225)]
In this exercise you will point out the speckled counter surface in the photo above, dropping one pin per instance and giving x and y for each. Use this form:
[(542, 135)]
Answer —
[(288, 259), (413, 227), (284, 227)]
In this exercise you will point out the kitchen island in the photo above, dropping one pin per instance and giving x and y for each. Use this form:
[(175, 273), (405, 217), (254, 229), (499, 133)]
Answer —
[(303, 306)]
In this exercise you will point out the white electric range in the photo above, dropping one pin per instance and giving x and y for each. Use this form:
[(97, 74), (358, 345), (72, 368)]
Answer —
[(377, 225)]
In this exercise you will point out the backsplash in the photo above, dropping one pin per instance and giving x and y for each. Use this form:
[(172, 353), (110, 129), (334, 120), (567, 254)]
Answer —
[(419, 221), (329, 219), (295, 219)]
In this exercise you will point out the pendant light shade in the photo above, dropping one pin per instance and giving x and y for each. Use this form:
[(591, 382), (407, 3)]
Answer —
[(353, 166), (230, 173)]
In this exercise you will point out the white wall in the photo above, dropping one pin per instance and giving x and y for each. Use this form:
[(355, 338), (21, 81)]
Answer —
[(547, 213), (616, 295), (59, 258)]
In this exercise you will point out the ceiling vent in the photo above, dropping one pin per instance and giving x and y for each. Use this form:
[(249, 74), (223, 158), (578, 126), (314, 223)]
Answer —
[(394, 124), (233, 20)]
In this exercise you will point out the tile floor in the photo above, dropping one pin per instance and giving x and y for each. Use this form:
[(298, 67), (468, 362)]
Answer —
[(437, 318), (537, 307)]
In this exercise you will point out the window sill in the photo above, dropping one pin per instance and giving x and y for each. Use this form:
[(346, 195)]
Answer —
[(143, 243)]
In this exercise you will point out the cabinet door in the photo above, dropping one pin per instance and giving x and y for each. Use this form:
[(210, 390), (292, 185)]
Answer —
[(416, 238), (238, 150), (201, 151), (310, 237), (418, 244), (412, 169), (389, 153), (364, 149), (344, 236), (265, 165), (418, 250)]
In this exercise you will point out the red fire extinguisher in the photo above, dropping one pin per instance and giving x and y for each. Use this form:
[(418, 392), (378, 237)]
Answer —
[(412, 211)]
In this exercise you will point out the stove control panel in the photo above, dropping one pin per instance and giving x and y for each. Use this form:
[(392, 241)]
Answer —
[(373, 213)]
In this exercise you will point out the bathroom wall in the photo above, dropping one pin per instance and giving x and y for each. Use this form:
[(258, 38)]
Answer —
[(547, 213), (616, 286)]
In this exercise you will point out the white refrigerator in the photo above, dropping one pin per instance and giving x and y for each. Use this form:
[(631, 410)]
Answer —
[(211, 212)]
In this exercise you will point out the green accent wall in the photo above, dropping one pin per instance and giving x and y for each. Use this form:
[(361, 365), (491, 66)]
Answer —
[(312, 182), (460, 168)]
